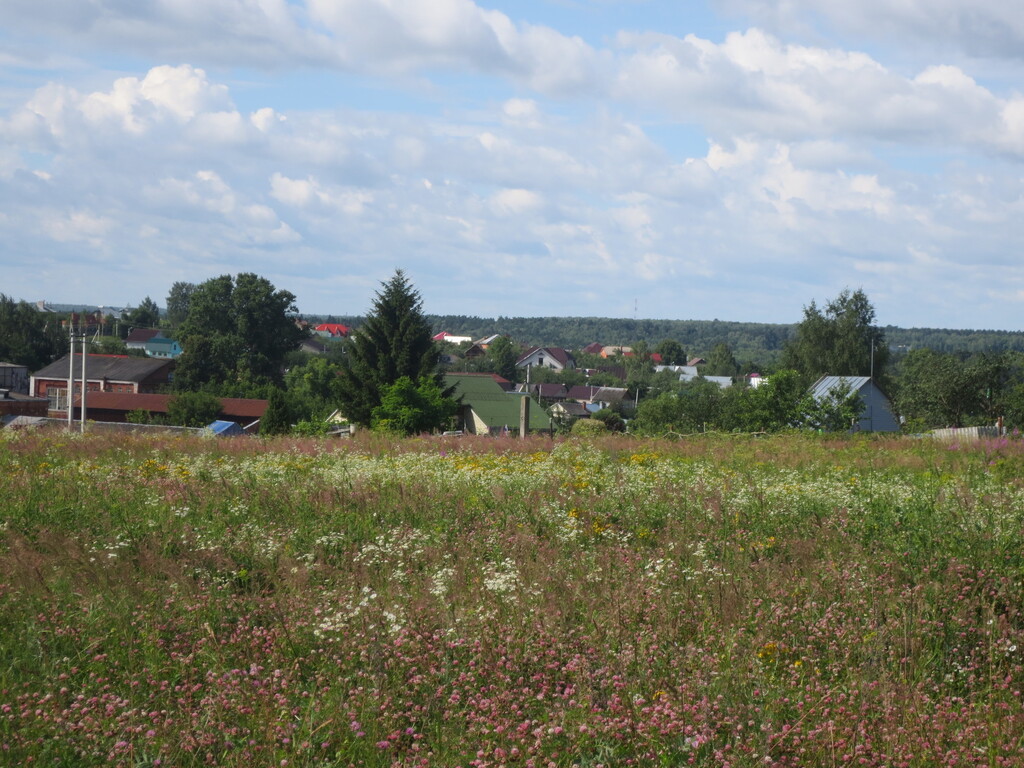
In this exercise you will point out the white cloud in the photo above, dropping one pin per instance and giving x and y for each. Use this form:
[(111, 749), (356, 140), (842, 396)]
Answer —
[(753, 84), (178, 94), (253, 32), (515, 202), (311, 194), (521, 109), (982, 28), (742, 171), (266, 118), (77, 226)]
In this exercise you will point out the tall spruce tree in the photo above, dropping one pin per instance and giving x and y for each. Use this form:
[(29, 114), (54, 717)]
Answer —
[(395, 341)]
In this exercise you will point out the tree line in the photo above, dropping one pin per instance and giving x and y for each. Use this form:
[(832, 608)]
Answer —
[(760, 343), (241, 338)]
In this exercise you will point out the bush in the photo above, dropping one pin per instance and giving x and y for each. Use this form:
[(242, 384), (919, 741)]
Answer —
[(589, 428), (408, 409), (613, 421), (193, 409)]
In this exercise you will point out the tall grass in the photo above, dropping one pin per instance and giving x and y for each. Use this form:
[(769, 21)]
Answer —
[(788, 601)]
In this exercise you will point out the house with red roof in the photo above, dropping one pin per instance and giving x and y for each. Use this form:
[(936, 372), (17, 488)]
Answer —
[(332, 330)]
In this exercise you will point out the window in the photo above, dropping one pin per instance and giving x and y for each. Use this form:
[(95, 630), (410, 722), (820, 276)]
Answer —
[(58, 398)]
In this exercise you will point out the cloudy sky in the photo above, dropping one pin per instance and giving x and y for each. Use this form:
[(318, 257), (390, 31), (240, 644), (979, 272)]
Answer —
[(683, 159)]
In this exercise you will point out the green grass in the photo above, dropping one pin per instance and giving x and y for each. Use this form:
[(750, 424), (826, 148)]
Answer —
[(792, 600)]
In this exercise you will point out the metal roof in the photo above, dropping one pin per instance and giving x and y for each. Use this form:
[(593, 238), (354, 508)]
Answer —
[(112, 367), (225, 428), (494, 406), (140, 335), (826, 385), (232, 407)]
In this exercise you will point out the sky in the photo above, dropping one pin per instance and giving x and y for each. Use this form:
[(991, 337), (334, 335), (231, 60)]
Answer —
[(669, 159)]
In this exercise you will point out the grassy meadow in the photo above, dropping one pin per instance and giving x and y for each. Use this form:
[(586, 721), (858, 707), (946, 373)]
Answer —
[(783, 601)]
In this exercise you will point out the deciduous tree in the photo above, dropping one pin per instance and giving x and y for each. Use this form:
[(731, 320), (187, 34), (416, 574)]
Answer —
[(237, 332), (146, 315), (178, 300), (27, 336), (940, 390), (721, 361), (672, 352), (839, 340), (502, 354), (412, 408)]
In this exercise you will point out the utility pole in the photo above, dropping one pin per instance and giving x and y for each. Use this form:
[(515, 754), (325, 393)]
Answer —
[(71, 369), (85, 381), (71, 373)]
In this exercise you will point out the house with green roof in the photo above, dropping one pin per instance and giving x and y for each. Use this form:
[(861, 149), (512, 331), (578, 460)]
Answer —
[(487, 409)]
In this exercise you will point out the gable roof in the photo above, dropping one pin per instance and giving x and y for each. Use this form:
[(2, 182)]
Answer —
[(826, 385), (491, 404), (550, 391), (590, 394), (312, 345), (578, 410), (225, 428), (334, 329), (160, 341), (142, 335), (876, 414), (557, 353), (686, 370), (722, 381), (112, 367)]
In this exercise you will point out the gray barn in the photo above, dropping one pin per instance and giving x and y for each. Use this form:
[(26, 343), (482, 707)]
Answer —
[(877, 415)]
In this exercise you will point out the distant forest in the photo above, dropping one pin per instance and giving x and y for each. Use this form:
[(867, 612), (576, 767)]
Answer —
[(757, 342)]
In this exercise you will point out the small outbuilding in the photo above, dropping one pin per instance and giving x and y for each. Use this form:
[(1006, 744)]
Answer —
[(225, 428), (876, 414), (487, 409)]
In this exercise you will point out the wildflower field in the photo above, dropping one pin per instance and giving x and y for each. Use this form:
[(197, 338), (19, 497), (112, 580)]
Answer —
[(784, 601)]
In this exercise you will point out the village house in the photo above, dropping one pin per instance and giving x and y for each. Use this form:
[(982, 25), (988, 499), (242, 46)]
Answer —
[(139, 337), (105, 373), (332, 330), (115, 407), (545, 392), (604, 397), (452, 338), (480, 346), (555, 358), (485, 408), (166, 349), (565, 413), (876, 413)]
